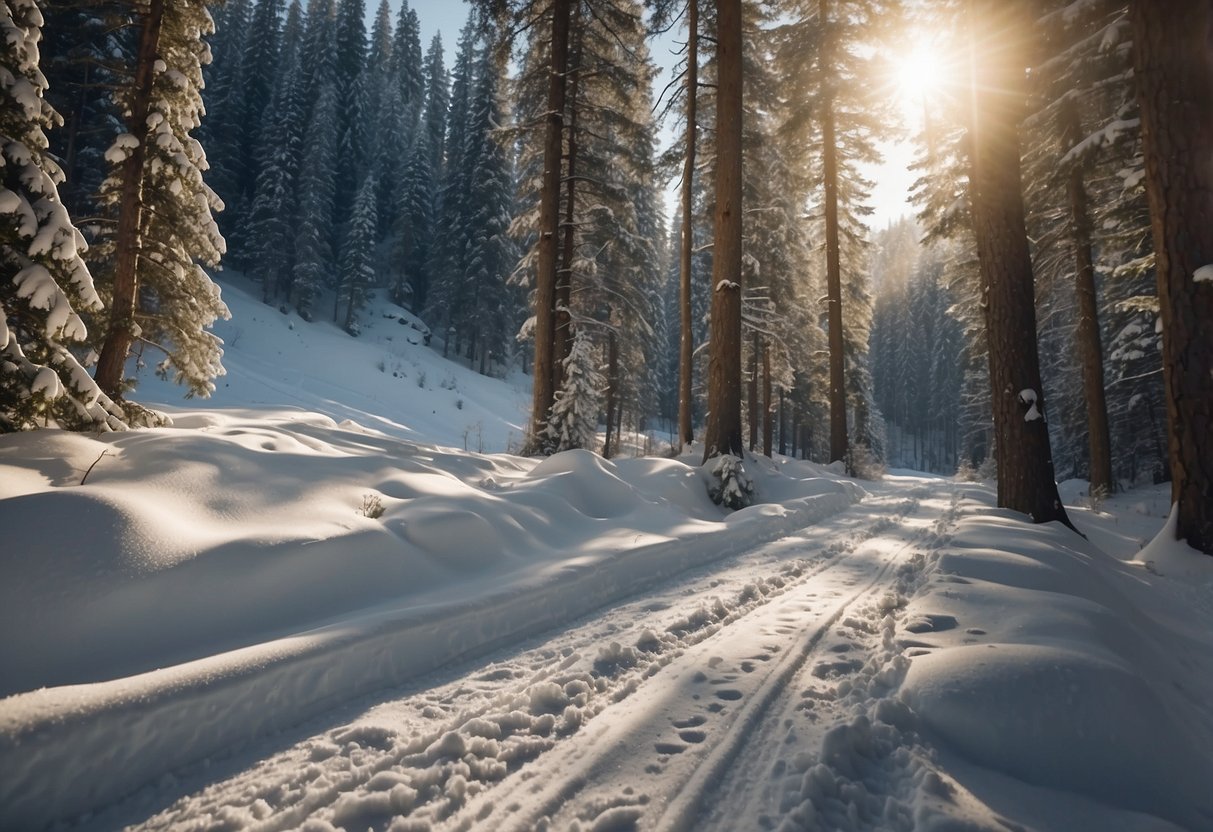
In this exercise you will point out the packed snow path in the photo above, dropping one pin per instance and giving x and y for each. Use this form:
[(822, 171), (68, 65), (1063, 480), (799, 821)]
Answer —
[(697, 705)]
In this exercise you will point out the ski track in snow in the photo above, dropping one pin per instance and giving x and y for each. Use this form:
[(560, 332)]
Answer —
[(733, 691)]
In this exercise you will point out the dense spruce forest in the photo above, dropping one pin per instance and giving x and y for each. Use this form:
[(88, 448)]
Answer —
[(511, 189)]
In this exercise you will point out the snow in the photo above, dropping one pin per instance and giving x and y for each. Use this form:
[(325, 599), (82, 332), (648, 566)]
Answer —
[(213, 630), (1204, 274)]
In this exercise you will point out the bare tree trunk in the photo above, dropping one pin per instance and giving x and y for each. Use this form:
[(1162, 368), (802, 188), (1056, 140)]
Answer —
[(562, 335), (543, 388), (723, 435), (1173, 68), (783, 438), (1086, 334), (767, 414), (128, 243), (754, 393), (1025, 463), (838, 390), (612, 392), (687, 243)]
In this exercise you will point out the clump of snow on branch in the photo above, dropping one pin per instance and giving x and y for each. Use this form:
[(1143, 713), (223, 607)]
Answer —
[(1027, 397), (1204, 274)]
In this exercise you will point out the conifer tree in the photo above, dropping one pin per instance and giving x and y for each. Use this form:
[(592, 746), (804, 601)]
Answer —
[(574, 419), (357, 255), (314, 249), (43, 278), (156, 289)]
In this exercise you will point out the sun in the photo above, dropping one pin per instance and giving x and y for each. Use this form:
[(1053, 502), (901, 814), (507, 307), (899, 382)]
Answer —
[(920, 75)]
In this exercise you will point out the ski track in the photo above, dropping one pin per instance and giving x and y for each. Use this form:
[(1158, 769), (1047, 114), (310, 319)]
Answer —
[(710, 702)]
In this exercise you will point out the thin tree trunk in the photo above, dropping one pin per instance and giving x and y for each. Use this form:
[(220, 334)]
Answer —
[(112, 361), (1086, 334), (783, 439), (562, 336), (723, 435), (767, 414), (542, 388), (838, 391), (1025, 463), (612, 390), (686, 248), (1173, 68), (754, 393)]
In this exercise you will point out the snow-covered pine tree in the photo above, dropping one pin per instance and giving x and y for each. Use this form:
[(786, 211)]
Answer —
[(358, 255), (405, 69), (490, 318), (350, 47), (415, 223), (437, 106), (157, 290), (314, 254), (43, 278), (574, 418)]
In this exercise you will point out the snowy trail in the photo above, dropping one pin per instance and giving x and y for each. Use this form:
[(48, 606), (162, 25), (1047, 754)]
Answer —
[(633, 718)]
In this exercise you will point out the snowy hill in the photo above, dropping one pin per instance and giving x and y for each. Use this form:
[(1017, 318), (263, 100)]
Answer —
[(306, 605)]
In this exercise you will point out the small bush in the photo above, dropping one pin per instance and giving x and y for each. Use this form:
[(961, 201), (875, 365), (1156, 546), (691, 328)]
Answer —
[(372, 506)]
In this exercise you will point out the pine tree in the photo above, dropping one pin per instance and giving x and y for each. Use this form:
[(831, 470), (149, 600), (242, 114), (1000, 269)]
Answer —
[(416, 222), (314, 249), (157, 290), (574, 419), (357, 255), (43, 278)]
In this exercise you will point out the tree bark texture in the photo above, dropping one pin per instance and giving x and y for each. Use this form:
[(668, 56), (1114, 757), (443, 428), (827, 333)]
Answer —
[(838, 390), (687, 243), (1173, 68), (111, 364), (767, 409), (1086, 333), (612, 396), (753, 402), (562, 334), (543, 389), (723, 434), (999, 30)]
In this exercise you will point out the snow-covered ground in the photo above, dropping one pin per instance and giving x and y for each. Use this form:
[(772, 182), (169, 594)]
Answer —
[(306, 605)]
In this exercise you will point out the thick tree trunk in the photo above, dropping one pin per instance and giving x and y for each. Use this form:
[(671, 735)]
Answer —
[(1025, 464), (767, 414), (723, 435), (1086, 334), (1173, 68), (543, 388), (121, 334), (687, 247), (838, 390)]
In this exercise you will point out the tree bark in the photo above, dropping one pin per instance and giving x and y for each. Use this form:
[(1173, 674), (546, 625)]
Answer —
[(612, 392), (767, 409), (1086, 334), (723, 435), (783, 431), (838, 391), (686, 248), (121, 334), (562, 335), (543, 389), (999, 32), (1173, 69), (754, 392)]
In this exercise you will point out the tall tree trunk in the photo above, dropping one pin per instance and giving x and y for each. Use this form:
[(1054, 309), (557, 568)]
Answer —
[(1086, 334), (999, 32), (562, 336), (1173, 68), (127, 245), (686, 246), (723, 435), (754, 393), (838, 390), (767, 409), (542, 387), (612, 392), (783, 439)]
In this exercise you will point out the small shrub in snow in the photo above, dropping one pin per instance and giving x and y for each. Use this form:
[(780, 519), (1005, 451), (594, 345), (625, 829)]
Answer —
[(459, 404), (731, 486), (421, 379), (372, 506)]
